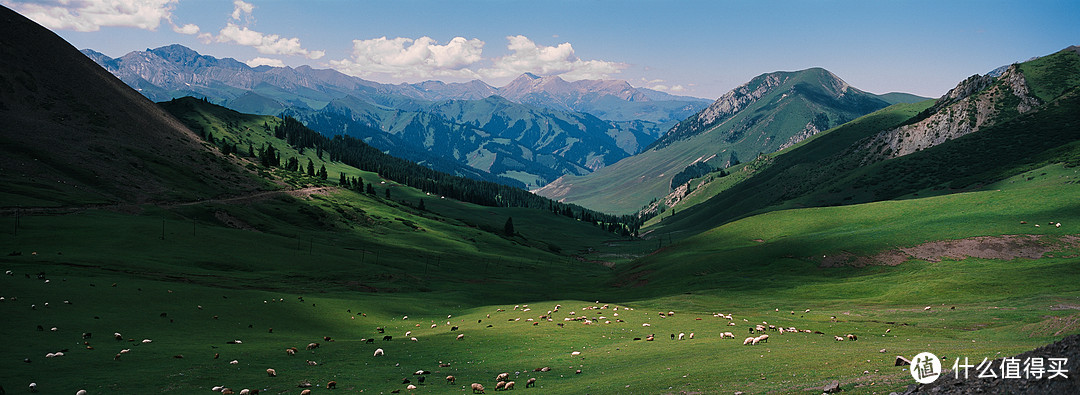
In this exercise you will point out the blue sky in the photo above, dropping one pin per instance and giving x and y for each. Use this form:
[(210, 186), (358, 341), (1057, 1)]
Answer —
[(698, 48)]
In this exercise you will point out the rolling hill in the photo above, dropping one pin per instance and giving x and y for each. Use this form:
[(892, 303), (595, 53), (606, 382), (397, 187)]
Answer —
[(59, 145), (771, 112)]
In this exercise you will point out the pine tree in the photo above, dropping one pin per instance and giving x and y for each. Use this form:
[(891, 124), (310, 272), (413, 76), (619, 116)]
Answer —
[(343, 181), (310, 168), (508, 229), (370, 189), (322, 172)]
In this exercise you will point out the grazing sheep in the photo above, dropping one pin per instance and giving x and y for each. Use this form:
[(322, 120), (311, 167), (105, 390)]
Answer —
[(245, 391), (407, 333), (450, 379), (305, 392), (387, 338), (727, 334), (33, 387), (312, 346), (379, 352), (1057, 225), (502, 377), (414, 339), (500, 385), (926, 308), (531, 382), (331, 385), (509, 386), (80, 392), (681, 335), (838, 338), (312, 363), (749, 341), (434, 325), (234, 362), (411, 387), (476, 388), (453, 328), (271, 372), (691, 335), (461, 336), (144, 341), (852, 337), (290, 351), (763, 338), (576, 353)]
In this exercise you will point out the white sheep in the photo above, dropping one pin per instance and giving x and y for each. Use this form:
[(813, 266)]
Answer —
[(146, 341), (33, 387), (509, 385), (410, 387), (245, 391), (271, 372), (414, 339), (407, 333), (749, 341), (234, 362), (433, 326), (576, 353), (217, 388), (461, 336), (691, 335), (379, 352), (681, 335), (502, 376)]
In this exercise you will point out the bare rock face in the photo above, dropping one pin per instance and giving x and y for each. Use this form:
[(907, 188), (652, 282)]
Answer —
[(970, 106)]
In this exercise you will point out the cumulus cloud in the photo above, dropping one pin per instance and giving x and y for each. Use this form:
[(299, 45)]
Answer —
[(269, 44), (527, 56), (190, 28), (405, 57), (242, 9), (661, 85), (91, 15), (260, 61)]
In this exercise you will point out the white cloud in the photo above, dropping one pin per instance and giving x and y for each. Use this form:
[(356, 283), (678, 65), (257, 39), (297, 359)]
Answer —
[(265, 61), (660, 85), (405, 57), (667, 88), (91, 15), (270, 44), (527, 56), (241, 9), (190, 28)]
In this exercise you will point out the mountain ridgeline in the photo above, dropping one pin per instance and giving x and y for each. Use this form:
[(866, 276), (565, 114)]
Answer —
[(983, 131), (525, 134), (769, 113)]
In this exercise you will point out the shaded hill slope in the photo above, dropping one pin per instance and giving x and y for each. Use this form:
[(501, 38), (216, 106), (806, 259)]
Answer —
[(73, 133)]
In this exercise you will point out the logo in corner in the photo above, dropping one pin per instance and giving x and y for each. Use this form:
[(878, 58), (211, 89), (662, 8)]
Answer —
[(925, 368)]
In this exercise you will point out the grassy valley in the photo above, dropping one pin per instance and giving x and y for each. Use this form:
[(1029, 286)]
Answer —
[(163, 260)]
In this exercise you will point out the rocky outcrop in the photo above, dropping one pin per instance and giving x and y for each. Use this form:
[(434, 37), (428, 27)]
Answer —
[(978, 102)]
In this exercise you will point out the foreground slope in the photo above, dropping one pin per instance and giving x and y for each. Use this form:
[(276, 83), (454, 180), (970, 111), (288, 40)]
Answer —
[(72, 126), (771, 112)]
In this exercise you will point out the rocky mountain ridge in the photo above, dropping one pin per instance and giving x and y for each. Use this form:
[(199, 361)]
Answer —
[(975, 103)]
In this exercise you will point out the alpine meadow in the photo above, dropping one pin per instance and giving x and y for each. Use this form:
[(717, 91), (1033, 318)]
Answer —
[(173, 222)]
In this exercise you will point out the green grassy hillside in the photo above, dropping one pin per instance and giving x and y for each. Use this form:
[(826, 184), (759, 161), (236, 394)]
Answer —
[(795, 106)]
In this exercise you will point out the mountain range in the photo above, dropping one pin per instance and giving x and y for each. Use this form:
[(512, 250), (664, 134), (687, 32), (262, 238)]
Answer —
[(553, 127), (770, 112)]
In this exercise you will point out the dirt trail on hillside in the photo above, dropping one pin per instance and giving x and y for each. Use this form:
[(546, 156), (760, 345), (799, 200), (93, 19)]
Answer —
[(130, 207), (1006, 247)]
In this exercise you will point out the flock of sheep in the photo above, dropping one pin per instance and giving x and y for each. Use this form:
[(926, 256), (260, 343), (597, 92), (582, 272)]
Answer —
[(590, 314)]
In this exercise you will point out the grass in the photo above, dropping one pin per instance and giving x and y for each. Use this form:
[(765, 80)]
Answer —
[(231, 272)]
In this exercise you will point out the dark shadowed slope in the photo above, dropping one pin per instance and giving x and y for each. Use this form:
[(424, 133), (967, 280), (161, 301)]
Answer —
[(69, 124)]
